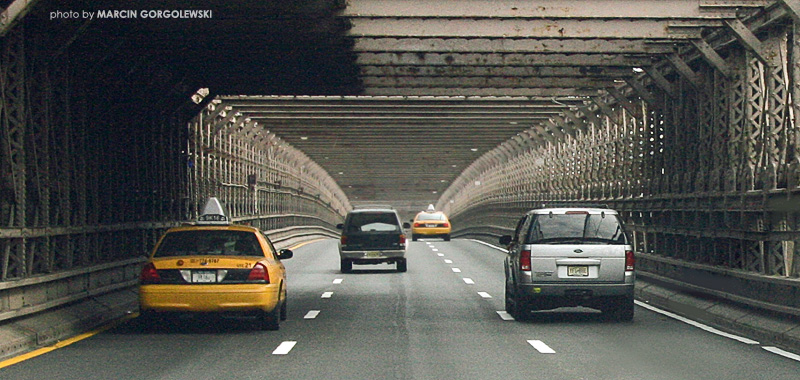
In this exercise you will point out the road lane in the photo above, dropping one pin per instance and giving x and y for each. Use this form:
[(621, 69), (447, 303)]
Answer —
[(427, 323)]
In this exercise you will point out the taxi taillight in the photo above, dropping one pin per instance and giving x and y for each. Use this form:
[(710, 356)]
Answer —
[(149, 274), (446, 225), (258, 273), (629, 261), (418, 225), (525, 260)]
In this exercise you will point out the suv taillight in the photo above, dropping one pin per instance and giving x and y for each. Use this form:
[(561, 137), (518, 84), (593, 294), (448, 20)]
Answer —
[(525, 260), (343, 239), (629, 261), (149, 275), (402, 239), (258, 273)]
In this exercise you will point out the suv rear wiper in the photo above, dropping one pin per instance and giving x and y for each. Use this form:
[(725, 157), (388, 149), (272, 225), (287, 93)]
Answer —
[(558, 240)]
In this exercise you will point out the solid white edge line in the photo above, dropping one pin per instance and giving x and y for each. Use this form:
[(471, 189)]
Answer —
[(490, 245), (541, 347), (284, 348), (468, 281), (456, 270), (696, 324), (327, 294), (785, 354), (504, 315), (311, 314), (484, 295), (338, 281)]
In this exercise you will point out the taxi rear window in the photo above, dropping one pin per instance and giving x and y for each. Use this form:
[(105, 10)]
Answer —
[(204, 242), (430, 217)]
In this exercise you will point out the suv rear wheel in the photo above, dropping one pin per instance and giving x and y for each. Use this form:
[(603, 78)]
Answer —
[(516, 306), (402, 265), (620, 309), (347, 266)]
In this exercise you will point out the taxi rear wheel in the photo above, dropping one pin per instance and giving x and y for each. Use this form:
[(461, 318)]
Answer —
[(270, 320), (283, 310)]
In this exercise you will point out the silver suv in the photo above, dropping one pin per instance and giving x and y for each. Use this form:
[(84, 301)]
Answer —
[(569, 257), (372, 235)]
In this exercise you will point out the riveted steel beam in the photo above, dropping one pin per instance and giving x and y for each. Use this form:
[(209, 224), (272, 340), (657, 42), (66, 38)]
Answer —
[(482, 91), (499, 71), (530, 28), (748, 39), (469, 59), (713, 57), (685, 71), (640, 90), (510, 45), (661, 81), (13, 12), (793, 6), (494, 82), (578, 9)]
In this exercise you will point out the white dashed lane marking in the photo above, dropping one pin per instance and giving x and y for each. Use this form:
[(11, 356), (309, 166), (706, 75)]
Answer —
[(456, 270), (327, 294), (504, 315), (541, 347), (484, 295), (284, 348), (337, 281), (446, 261), (440, 254), (469, 281), (311, 314)]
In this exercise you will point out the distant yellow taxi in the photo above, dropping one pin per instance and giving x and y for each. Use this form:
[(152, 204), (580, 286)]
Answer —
[(215, 267), (430, 224)]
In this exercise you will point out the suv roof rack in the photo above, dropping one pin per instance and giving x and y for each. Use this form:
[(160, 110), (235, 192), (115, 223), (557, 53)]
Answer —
[(361, 207), (572, 204)]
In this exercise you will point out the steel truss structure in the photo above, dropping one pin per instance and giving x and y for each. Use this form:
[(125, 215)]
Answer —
[(706, 171)]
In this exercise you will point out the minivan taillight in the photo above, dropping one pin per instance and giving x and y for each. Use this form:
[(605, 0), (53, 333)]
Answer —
[(525, 260), (629, 261), (258, 273), (149, 275)]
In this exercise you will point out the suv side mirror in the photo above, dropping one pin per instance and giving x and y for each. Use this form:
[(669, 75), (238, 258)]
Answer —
[(406, 225), (340, 226), (505, 239), (285, 254)]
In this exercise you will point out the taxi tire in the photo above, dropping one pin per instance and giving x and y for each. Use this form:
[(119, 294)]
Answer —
[(270, 320), (284, 312), (446, 237), (414, 237), (346, 266), (402, 265)]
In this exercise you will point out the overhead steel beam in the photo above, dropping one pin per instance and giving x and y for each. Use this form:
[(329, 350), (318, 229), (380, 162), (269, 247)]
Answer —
[(493, 82), (713, 57), (500, 71), (530, 28), (685, 71), (509, 45), (793, 6), (14, 12), (748, 39), (385, 91), (660, 81), (468, 59), (578, 9)]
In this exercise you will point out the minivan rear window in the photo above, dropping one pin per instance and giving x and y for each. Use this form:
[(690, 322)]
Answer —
[(373, 221), (576, 228)]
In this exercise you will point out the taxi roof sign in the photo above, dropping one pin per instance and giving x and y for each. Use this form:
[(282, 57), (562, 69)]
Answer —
[(213, 213)]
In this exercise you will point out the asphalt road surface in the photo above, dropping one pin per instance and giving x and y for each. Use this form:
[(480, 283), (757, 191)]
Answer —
[(443, 319)]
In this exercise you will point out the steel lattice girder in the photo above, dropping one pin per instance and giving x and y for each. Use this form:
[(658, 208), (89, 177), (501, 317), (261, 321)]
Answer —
[(510, 45), (497, 59)]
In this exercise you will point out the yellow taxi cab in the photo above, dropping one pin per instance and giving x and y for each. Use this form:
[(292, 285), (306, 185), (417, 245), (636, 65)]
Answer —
[(430, 224), (214, 266)]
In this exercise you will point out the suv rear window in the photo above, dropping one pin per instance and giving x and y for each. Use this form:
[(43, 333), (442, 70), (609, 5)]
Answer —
[(372, 221), (205, 242), (572, 228)]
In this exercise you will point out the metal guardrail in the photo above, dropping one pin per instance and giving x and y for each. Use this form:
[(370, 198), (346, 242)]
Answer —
[(35, 294)]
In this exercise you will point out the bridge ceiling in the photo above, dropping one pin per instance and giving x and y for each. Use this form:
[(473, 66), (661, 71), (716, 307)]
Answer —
[(394, 98)]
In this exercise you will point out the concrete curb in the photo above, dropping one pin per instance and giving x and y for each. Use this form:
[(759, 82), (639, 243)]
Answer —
[(770, 329)]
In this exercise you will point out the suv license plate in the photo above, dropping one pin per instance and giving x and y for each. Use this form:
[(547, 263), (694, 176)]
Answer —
[(372, 254), (578, 271), (204, 276)]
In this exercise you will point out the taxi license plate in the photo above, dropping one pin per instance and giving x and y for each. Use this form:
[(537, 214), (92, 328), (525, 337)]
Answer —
[(578, 271), (372, 254), (204, 276), (430, 225)]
